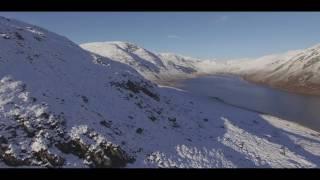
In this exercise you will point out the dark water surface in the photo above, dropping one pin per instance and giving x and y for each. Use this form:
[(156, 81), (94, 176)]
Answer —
[(303, 109)]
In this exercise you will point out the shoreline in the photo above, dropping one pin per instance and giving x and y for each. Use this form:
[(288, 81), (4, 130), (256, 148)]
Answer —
[(176, 83), (300, 90), (262, 113)]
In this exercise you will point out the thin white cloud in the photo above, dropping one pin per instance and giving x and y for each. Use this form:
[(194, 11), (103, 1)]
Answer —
[(173, 37)]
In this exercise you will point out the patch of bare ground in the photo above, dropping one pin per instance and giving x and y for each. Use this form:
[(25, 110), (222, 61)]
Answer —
[(290, 86)]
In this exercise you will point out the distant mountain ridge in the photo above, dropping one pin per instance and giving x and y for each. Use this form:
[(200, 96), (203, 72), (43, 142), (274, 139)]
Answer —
[(296, 71), (157, 67), (64, 107)]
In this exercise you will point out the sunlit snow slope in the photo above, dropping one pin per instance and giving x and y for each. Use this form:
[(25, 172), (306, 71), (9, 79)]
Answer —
[(157, 67), (61, 106), (296, 71)]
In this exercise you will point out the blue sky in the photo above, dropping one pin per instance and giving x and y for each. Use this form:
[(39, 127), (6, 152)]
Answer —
[(197, 34)]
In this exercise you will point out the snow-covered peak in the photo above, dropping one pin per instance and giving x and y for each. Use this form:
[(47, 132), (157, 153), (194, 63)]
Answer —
[(174, 55), (178, 57), (316, 46), (124, 46), (61, 106), (128, 53), (151, 65), (295, 70), (127, 46)]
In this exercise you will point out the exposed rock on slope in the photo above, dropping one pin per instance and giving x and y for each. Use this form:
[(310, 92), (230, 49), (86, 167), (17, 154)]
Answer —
[(51, 93), (160, 68), (296, 71), (61, 106)]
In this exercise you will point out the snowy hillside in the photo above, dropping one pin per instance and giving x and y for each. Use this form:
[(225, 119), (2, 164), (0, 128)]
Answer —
[(296, 71), (61, 106), (157, 67)]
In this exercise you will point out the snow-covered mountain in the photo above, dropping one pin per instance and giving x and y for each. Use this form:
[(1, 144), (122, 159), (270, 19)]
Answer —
[(297, 71), (158, 67), (61, 106)]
